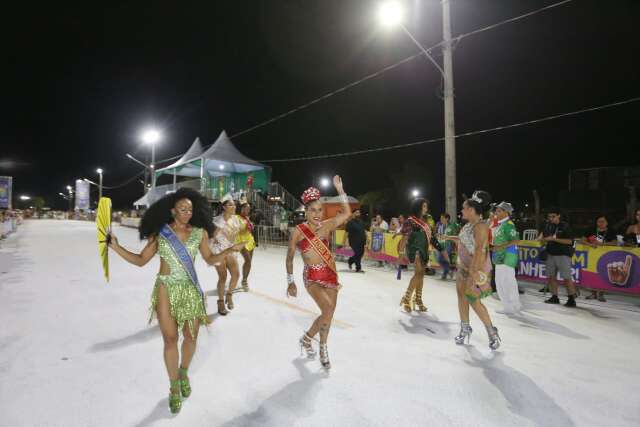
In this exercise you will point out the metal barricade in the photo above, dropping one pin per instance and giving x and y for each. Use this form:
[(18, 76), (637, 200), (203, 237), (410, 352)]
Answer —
[(267, 235)]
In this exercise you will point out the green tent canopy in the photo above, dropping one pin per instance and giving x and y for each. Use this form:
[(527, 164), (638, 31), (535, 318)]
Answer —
[(221, 168)]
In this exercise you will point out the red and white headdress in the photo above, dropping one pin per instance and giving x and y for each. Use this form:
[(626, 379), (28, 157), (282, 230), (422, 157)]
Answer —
[(311, 194)]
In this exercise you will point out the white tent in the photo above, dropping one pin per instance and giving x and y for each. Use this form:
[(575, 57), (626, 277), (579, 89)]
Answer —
[(221, 159)]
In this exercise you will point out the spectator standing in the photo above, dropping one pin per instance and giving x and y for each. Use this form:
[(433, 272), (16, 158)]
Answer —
[(505, 257), (600, 235), (632, 236), (379, 224), (401, 220), (558, 237), (394, 226), (357, 238), (378, 227), (446, 228)]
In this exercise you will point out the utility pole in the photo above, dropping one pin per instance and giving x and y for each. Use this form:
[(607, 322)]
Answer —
[(100, 184), (146, 174), (449, 122)]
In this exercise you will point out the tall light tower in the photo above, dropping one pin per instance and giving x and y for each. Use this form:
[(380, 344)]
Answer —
[(99, 171), (70, 190), (391, 14), (151, 137)]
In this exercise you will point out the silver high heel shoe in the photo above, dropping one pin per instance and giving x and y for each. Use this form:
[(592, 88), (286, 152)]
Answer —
[(324, 357), (465, 333), (494, 338), (306, 346)]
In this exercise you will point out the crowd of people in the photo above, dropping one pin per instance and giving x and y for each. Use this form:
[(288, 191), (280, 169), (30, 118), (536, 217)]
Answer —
[(481, 248), (9, 221), (556, 235)]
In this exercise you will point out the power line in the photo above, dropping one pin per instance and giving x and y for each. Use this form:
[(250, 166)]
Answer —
[(127, 182), (393, 66), (506, 21), (382, 71), (328, 95), (471, 133)]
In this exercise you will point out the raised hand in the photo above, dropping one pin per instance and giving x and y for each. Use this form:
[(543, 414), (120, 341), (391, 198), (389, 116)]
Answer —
[(619, 272), (337, 182)]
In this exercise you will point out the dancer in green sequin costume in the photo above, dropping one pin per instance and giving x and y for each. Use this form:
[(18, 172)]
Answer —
[(178, 224), (417, 235)]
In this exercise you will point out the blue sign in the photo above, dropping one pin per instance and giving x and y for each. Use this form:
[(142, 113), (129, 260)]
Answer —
[(82, 195), (531, 266), (6, 182)]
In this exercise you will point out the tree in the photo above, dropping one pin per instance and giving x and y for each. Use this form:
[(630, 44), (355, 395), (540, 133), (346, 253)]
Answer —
[(373, 200), (38, 203)]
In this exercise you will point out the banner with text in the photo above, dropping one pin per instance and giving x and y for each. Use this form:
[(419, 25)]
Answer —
[(6, 184), (608, 268)]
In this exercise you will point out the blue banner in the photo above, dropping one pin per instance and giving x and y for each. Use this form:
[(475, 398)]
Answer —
[(6, 183), (82, 195), (531, 267)]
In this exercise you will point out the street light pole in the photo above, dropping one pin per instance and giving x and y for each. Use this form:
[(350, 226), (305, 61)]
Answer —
[(449, 122), (100, 184), (152, 136), (391, 14), (153, 166), (70, 189)]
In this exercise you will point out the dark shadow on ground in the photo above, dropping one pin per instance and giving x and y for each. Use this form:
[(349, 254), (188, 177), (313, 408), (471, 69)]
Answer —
[(428, 325), (547, 326), (159, 412), (141, 336), (287, 406), (525, 398)]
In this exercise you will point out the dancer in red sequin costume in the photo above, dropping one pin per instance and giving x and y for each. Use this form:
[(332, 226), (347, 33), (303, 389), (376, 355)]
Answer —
[(320, 276)]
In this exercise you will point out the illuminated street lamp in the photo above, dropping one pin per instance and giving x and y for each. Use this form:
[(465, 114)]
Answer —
[(152, 137), (99, 170), (390, 14)]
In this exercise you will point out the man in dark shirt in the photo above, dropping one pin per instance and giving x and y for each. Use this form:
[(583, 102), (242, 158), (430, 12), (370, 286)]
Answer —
[(357, 239), (558, 237)]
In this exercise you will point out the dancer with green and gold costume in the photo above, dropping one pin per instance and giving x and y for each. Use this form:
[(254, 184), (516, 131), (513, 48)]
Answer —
[(176, 227), (417, 235)]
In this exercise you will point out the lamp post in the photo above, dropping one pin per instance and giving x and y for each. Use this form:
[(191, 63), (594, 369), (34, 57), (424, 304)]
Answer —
[(146, 170), (70, 190), (24, 199), (152, 136), (391, 14), (99, 170)]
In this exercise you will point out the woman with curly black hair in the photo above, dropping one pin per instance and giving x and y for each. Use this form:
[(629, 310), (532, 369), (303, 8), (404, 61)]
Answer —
[(416, 237), (474, 268), (176, 227)]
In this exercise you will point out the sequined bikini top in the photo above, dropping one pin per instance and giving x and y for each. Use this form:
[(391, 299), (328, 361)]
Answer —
[(466, 238), (168, 255), (305, 246)]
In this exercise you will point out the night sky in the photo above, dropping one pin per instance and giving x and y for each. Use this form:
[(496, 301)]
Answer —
[(84, 80)]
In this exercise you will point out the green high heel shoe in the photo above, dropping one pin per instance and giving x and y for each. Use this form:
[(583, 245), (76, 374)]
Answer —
[(185, 386), (175, 400)]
